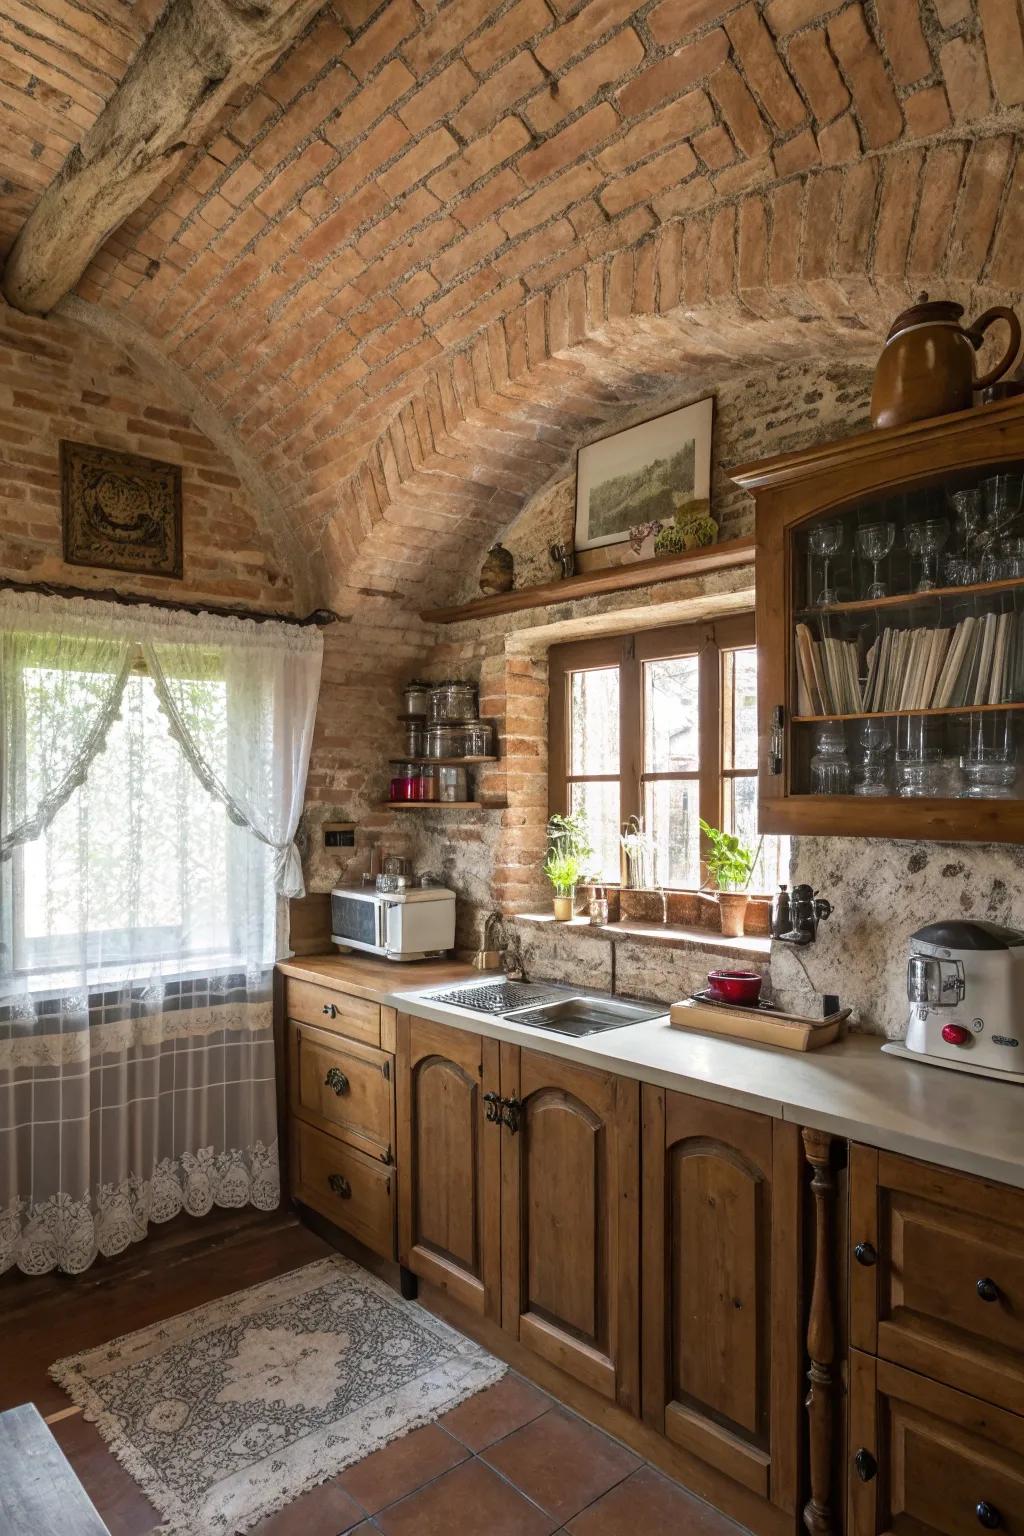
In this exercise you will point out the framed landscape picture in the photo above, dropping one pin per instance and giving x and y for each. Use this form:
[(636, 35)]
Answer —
[(643, 475)]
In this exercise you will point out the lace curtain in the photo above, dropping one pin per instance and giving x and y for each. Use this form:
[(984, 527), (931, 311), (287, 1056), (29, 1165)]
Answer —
[(152, 771)]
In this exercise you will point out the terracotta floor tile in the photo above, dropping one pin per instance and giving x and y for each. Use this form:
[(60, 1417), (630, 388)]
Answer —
[(561, 1463), (496, 1412), (652, 1504), (323, 1511), (401, 1467), (472, 1498)]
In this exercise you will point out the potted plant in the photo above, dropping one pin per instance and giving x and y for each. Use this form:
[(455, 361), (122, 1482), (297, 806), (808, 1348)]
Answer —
[(568, 860), (730, 863)]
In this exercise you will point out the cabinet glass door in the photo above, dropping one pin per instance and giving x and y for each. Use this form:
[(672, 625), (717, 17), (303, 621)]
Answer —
[(907, 643)]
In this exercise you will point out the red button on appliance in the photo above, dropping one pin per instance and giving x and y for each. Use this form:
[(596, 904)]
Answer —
[(955, 1034)]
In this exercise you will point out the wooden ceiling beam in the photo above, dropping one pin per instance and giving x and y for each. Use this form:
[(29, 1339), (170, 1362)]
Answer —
[(198, 55)]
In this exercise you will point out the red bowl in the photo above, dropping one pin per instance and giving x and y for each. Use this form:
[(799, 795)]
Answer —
[(734, 986)]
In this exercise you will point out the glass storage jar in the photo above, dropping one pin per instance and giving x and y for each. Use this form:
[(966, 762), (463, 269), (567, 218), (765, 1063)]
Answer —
[(452, 701), (446, 741), (477, 739), (428, 782), (417, 698), (415, 738), (452, 784)]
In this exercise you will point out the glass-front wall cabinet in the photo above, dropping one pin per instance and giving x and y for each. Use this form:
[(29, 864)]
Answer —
[(891, 673)]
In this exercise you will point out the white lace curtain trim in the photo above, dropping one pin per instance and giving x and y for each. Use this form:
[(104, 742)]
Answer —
[(67, 1231), (82, 1043), (37, 613)]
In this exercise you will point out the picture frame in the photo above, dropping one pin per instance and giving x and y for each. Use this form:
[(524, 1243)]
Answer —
[(641, 475), (120, 511)]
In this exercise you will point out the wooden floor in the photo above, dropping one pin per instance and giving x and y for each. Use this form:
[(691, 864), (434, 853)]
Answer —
[(509, 1462)]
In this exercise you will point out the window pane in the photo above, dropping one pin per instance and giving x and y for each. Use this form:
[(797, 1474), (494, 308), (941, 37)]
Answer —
[(739, 708), (672, 814), (671, 733), (740, 815), (594, 722), (601, 804)]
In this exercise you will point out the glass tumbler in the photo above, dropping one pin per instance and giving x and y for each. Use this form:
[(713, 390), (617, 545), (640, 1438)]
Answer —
[(830, 766)]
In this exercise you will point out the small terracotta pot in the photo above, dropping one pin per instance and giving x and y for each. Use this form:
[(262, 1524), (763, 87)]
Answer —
[(563, 906), (732, 906)]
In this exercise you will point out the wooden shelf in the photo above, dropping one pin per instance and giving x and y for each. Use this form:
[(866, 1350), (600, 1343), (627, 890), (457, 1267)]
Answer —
[(913, 599), (619, 578), (442, 805), (443, 762), (891, 714)]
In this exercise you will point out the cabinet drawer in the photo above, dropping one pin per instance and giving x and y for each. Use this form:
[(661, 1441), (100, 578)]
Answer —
[(342, 1087), (344, 1185), (332, 1010), (928, 1461), (937, 1274)]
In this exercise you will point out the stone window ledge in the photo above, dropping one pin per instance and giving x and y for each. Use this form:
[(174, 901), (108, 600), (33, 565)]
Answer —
[(750, 947)]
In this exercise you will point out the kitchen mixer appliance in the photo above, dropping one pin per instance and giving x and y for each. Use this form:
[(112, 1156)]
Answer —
[(965, 983)]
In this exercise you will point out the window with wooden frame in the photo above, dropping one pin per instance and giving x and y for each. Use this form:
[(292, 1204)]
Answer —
[(661, 725)]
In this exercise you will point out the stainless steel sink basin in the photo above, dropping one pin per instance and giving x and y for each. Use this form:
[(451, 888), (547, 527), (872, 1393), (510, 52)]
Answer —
[(585, 1015)]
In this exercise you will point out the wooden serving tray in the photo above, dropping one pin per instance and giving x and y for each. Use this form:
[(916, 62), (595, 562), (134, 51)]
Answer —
[(764, 1025)]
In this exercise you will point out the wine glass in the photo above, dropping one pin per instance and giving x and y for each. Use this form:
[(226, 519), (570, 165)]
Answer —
[(874, 542), (926, 541), (826, 542)]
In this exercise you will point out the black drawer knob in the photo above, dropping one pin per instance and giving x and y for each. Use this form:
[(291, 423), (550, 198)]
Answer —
[(988, 1291), (336, 1080), (339, 1186), (988, 1516), (866, 1254), (865, 1465), (331, 1010)]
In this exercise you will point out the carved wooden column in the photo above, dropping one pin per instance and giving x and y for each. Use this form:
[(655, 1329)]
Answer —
[(821, 1341)]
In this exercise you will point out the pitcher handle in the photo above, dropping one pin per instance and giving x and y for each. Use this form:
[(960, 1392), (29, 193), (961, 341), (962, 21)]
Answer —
[(976, 334)]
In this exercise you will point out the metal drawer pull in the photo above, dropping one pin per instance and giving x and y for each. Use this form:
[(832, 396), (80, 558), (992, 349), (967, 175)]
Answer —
[(339, 1186), (492, 1113), (988, 1291), (337, 1080), (865, 1465), (331, 1010), (510, 1113), (988, 1516), (866, 1254)]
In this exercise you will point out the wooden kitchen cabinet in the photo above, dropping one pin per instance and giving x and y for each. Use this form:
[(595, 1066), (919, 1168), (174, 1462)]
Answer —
[(721, 1309), (450, 1161), (570, 1165), (927, 1460), (888, 675)]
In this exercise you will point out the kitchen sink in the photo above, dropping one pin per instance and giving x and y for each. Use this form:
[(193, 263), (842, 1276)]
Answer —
[(551, 1006), (585, 1015)]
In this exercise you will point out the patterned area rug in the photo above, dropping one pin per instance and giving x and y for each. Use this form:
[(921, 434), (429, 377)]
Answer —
[(227, 1413)]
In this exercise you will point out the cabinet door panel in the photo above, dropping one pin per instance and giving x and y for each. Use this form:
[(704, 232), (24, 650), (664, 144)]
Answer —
[(342, 1087), (449, 1161), (721, 1309), (937, 1457), (570, 1177)]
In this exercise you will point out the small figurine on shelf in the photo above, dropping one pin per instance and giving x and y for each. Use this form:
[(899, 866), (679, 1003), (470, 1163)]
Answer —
[(564, 557), (497, 572)]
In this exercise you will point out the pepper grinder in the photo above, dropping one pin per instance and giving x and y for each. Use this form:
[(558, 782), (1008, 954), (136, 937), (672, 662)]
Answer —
[(806, 911)]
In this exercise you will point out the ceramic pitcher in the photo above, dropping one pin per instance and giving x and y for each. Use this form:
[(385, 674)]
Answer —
[(927, 363)]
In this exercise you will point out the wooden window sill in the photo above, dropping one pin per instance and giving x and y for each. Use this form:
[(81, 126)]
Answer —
[(749, 947)]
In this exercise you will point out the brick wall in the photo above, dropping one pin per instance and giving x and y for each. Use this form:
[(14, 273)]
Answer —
[(58, 382), (418, 254)]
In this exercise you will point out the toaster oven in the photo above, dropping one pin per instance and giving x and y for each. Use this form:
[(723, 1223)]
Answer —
[(414, 924)]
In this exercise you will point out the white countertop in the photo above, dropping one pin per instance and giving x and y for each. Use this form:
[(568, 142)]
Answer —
[(851, 1089)]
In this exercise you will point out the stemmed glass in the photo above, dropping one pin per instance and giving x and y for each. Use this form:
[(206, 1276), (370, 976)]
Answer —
[(874, 543), (826, 542), (926, 542)]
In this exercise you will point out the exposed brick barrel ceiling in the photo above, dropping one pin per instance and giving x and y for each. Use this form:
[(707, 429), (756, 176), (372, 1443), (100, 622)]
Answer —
[(439, 242)]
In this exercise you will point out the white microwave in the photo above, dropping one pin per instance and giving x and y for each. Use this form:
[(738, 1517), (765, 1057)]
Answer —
[(416, 924)]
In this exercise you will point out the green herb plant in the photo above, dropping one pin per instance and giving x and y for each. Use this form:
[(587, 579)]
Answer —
[(730, 861), (569, 852)]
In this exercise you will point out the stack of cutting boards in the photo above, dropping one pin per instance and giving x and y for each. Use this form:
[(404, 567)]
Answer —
[(765, 1025)]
